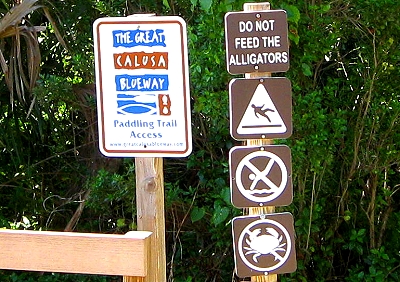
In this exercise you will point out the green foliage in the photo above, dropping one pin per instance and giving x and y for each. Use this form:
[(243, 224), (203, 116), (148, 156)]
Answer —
[(343, 165), (111, 199), (376, 266)]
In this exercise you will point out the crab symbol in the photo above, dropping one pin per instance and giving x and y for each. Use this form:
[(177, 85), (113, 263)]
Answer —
[(264, 244)]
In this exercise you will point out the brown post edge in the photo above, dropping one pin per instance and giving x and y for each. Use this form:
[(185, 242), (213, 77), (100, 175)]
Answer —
[(70, 252)]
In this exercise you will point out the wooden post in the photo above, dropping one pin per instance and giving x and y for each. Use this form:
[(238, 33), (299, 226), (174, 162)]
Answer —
[(260, 142), (150, 215)]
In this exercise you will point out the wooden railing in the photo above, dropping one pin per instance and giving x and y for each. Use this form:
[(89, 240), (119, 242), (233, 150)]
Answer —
[(68, 252)]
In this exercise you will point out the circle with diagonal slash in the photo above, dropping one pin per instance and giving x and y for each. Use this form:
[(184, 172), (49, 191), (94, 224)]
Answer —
[(267, 239), (259, 177)]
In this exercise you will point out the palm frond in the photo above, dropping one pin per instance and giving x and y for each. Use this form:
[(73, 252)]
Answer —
[(21, 71), (17, 13)]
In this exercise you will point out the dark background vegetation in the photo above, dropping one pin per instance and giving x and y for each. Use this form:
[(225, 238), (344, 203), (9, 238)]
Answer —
[(345, 69)]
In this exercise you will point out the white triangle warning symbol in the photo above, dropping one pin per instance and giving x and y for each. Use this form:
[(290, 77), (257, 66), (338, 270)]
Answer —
[(261, 115)]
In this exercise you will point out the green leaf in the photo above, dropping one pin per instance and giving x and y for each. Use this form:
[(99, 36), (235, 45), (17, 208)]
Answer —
[(325, 8), (121, 222), (361, 232), (293, 14), (220, 214), (206, 4), (226, 195), (293, 36), (166, 4), (306, 69), (197, 214), (329, 234)]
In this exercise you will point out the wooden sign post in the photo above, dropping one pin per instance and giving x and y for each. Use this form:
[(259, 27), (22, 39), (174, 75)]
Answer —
[(150, 214), (259, 142), (257, 44), (144, 112), (142, 82)]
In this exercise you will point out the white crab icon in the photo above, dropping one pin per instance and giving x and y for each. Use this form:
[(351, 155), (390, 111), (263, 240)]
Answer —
[(264, 244)]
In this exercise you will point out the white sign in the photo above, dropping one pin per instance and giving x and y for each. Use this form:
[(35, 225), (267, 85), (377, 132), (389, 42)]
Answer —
[(142, 87)]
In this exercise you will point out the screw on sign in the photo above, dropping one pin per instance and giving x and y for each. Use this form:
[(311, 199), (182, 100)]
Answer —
[(260, 176), (264, 244)]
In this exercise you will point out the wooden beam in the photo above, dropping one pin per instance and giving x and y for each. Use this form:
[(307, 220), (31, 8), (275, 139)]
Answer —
[(69, 252)]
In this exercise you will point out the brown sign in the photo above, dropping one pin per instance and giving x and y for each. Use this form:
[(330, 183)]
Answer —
[(260, 108), (260, 176), (257, 41), (264, 244)]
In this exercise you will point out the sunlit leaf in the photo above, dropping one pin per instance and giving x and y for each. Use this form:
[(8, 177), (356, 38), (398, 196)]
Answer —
[(293, 13), (206, 4), (220, 214), (166, 4)]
